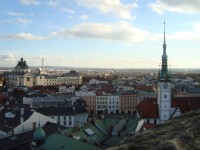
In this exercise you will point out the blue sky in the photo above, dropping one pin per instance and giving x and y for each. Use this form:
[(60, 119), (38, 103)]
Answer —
[(100, 33)]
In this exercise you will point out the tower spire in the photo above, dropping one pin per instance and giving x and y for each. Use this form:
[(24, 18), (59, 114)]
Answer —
[(164, 43), (164, 74)]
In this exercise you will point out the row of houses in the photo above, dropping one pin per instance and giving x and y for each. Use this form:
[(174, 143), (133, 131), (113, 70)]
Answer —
[(18, 118), (96, 102)]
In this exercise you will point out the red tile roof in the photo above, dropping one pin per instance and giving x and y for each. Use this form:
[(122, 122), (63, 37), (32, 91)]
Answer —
[(2, 99), (186, 103), (148, 108), (147, 126)]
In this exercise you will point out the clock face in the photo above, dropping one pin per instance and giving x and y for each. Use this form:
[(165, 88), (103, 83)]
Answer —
[(165, 85)]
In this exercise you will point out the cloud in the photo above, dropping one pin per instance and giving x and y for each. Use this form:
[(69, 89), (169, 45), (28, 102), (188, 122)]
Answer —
[(178, 6), (121, 31), (116, 7), (22, 36), (62, 5), (7, 58), (84, 17), (185, 36), (11, 13), (22, 20), (30, 2)]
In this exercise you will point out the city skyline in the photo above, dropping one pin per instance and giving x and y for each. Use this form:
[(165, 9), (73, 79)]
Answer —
[(99, 33)]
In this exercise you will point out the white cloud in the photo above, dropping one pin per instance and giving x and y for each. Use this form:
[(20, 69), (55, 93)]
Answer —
[(84, 17), (121, 31), (185, 35), (22, 36), (7, 58), (23, 20), (11, 13), (62, 5), (30, 2), (116, 7), (53, 3), (178, 6)]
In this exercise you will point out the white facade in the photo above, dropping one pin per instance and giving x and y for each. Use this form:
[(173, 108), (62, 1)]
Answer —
[(65, 120), (113, 104), (30, 80), (58, 80), (34, 121), (164, 101), (71, 120), (36, 118), (64, 89), (21, 80)]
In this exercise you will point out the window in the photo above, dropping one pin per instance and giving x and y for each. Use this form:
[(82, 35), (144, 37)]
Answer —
[(70, 123), (165, 96), (70, 118)]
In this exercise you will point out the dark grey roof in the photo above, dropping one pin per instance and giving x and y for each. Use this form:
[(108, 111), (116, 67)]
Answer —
[(7, 124), (22, 141), (60, 111), (22, 65)]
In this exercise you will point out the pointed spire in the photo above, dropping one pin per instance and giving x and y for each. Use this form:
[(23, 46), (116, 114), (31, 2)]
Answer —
[(164, 32), (164, 44), (164, 74)]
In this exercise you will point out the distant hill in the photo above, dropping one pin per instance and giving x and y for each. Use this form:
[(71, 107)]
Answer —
[(182, 133)]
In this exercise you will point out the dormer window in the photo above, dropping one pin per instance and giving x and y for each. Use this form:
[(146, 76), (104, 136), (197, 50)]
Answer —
[(10, 115)]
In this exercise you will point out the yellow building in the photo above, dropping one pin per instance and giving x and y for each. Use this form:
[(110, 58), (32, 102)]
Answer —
[(22, 76)]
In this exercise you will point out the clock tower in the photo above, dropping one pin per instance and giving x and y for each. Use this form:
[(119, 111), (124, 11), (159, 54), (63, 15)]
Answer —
[(164, 87)]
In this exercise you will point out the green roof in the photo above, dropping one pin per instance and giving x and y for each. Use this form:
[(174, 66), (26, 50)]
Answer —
[(98, 136), (62, 142), (130, 126), (193, 90), (39, 134)]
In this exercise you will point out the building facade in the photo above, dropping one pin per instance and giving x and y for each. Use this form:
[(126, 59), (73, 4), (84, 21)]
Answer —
[(164, 88), (22, 76), (128, 102), (89, 97)]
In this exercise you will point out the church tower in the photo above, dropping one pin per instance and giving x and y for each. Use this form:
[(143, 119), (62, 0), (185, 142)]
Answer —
[(164, 87)]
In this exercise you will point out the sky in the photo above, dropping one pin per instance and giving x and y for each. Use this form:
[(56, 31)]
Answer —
[(100, 33)]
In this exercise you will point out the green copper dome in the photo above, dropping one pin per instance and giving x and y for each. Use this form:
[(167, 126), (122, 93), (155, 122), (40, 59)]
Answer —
[(39, 135)]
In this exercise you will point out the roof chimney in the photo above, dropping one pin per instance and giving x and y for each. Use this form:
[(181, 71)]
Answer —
[(22, 111)]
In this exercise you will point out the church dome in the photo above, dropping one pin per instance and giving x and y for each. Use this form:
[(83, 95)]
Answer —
[(39, 135)]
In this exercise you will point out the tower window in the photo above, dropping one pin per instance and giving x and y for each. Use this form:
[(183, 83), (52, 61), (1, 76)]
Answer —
[(165, 96)]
